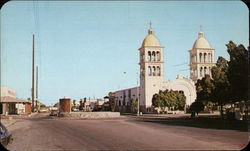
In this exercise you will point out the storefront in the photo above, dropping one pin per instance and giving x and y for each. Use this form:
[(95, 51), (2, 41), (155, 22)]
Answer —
[(10, 105)]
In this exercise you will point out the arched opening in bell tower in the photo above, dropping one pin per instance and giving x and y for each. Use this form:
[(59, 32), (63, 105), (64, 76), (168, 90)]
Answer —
[(149, 56), (153, 56), (158, 56)]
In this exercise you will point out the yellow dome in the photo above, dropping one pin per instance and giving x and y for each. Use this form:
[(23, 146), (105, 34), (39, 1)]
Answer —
[(201, 42), (150, 39)]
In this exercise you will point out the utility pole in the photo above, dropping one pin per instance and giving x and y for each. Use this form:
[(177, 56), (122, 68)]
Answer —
[(33, 70), (36, 87), (138, 96)]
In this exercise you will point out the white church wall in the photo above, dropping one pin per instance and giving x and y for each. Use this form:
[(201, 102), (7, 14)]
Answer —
[(182, 84)]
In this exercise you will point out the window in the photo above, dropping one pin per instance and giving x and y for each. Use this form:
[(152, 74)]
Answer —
[(205, 70), (153, 56), (154, 71), (149, 71), (200, 57), (201, 70), (158, 71), (149, 56), (205, 57), (158, 56)]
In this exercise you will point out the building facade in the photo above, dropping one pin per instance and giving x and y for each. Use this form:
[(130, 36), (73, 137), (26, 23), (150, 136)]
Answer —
[(201, 58), (10, 104), (151, 64)]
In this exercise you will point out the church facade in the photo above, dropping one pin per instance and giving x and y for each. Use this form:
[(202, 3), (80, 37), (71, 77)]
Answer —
[(152, 74)]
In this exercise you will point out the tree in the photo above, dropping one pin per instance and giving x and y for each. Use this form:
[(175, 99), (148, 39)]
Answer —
[(168, 98), (238, 72), (158, 100), (221, 83), (134, 104), (197, 107), (229, 83), (204, 89), (181, 100), (81, 105), (112, 104)]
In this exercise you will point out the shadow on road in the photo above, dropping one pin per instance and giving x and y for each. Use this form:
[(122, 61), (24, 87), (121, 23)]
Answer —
[(201, 122)]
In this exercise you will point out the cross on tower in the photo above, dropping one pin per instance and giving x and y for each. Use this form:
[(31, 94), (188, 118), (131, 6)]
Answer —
[(150, 25)]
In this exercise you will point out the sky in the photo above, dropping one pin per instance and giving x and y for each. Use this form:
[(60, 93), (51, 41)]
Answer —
[(83, 48)]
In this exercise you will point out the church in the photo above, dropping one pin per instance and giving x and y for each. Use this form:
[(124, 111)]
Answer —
[(152, 73)]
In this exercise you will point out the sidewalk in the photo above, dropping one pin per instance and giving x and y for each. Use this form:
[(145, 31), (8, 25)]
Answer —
[(8, 122), (187, 115)]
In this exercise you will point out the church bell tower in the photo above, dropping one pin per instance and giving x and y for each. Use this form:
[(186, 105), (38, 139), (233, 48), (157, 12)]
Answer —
[(201, 58), (151, 69)]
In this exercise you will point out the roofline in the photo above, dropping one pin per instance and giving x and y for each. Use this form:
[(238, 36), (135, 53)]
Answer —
[(126, 89), (151, 47)]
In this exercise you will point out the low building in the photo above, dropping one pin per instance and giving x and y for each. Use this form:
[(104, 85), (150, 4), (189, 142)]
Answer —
[(10, 104)]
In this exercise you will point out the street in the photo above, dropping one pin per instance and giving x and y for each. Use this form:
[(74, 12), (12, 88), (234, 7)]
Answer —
[(43, 132)]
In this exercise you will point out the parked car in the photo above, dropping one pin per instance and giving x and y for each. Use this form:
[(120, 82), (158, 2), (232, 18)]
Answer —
[(75, 109), (43, 110), (53, 113), (5, 135)]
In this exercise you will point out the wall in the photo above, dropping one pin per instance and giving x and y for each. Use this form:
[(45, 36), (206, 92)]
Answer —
[(28, 108)]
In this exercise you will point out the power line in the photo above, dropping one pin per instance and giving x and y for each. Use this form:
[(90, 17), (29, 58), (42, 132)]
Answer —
[(184, 63)]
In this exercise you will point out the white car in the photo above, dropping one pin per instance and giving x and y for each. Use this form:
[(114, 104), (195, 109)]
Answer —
[(75, 109)]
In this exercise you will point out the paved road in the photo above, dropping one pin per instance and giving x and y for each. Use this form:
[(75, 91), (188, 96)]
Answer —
[(42, 132)]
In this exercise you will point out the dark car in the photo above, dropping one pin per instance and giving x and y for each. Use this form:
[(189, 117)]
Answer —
[(5, 135)]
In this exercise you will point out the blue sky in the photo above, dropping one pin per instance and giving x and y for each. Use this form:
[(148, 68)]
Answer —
[(83, 48)]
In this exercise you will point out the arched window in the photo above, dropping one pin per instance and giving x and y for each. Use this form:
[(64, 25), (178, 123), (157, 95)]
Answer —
[(149, 71), (209, 57), (205, 70), (200, 57), (153, 56), (205, 57), (149, 56), (201, 72), (158, 71), (158, 56), (154, 71)]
